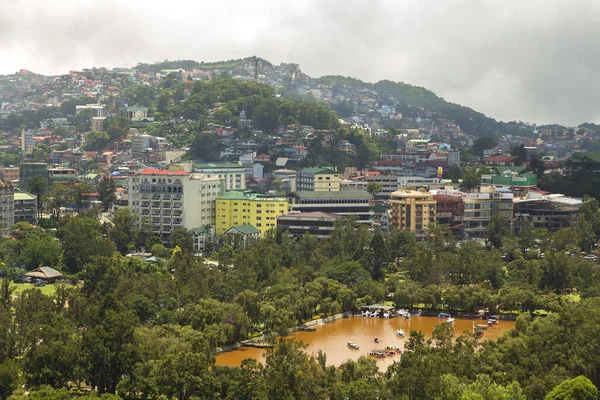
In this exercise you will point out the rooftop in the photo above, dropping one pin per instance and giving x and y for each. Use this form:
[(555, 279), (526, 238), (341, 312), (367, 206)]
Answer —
[(213, 166), (245, 229), (154, 171), (343, 194), (22, 196), (239, 195), (312, 214)]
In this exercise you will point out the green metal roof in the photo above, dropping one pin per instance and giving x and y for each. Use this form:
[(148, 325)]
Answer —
[(213, 166), (21, 196), (319, 170), (342, 194), (133, 109), (245, 229), (203, 230), (239, 195)]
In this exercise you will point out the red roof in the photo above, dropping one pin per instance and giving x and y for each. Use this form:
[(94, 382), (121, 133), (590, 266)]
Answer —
[(501, 158), (388, 163), (154, 171)]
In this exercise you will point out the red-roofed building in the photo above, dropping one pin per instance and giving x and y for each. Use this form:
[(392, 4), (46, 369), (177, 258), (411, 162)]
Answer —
[(500, 160)]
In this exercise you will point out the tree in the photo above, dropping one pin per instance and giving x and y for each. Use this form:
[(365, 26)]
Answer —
[(374, 187), (483, 143), (9, 378), (497, 229), (183, 239), (580, 388), (124, 233), (38, 186), (519, 151), (96, 141), (454, 173), (106, 192), (470, 178), (81, 239)]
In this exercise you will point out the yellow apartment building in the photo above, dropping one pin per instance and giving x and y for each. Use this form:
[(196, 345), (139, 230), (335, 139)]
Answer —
[(236, 208), (412, 210)]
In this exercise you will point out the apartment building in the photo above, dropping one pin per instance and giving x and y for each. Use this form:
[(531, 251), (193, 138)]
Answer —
[(412, 210), (9, 175), (478, 214), (236, 208), (233, 175), (173, 199), (28, 170), (7, 216), (25, 208), (344, 203), (317, 223), (318, 179), (552, 212)]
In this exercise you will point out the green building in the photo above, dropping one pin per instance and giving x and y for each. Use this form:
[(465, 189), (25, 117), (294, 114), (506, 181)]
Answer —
[(512, 180), (28, 170)]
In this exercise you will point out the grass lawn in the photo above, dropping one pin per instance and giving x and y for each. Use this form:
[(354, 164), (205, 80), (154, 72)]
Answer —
[(48, 290)]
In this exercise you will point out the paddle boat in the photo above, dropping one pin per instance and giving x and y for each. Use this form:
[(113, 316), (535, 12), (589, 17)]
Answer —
[(400, 332), (353, 346)]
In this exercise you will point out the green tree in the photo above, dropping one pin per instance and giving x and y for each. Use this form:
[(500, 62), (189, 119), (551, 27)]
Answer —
[(374, 187), (124, 233), (497, 229), (9, 378), (38, 186), (580, 388), (483, 143), (183, 238), (106, 192)]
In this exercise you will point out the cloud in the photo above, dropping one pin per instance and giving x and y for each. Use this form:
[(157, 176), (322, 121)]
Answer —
[(513, 60)]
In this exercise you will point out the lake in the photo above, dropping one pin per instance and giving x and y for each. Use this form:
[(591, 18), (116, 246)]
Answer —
[(332, 338)]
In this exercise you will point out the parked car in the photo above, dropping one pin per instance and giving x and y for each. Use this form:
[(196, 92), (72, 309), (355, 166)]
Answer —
[(39, 283)]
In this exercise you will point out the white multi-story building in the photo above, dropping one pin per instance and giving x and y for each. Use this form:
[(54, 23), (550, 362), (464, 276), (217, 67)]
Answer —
[(174, 199), (234, 175), (98, 109), (453, 158)]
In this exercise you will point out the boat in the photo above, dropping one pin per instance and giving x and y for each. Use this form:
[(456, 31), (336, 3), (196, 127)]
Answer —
[(376, 340), (400, 332), (407, 317), (444, 315), (450, 320), (392, 348), (353, 346), (378, 353), (307, 329), (480, 327), (402, 312), (492, 321), (386, 315)]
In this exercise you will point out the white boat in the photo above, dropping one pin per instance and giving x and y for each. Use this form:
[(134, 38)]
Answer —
[(353, 346), (402, 312), (386, 315), (450, 320), (400, 332)]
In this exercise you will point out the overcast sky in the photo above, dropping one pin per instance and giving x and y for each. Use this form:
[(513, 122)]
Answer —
[(527, 60)]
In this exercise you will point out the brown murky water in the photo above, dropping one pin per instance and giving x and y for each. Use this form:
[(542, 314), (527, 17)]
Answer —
[(332, 338)]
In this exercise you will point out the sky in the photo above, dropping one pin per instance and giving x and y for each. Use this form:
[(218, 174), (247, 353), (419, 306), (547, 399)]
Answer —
[(533, 60)]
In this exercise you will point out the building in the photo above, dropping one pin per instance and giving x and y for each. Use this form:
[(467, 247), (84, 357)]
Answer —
[(98, 123), (7, 216), (389, 184), (453, 158), (27, 141), (142, 144), (412, 210), (552, 212), (247, 232), (318, 179), (500, 160), (9, 175), (97, 109), (344, 203), (28, 170), (317, 223), (25, 208), (202, 237), (59, 175), (511, 180), (173, 199), (236, 208), (478, 214), (233, 175), (404, 181), (137, 113), (503, 203)]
